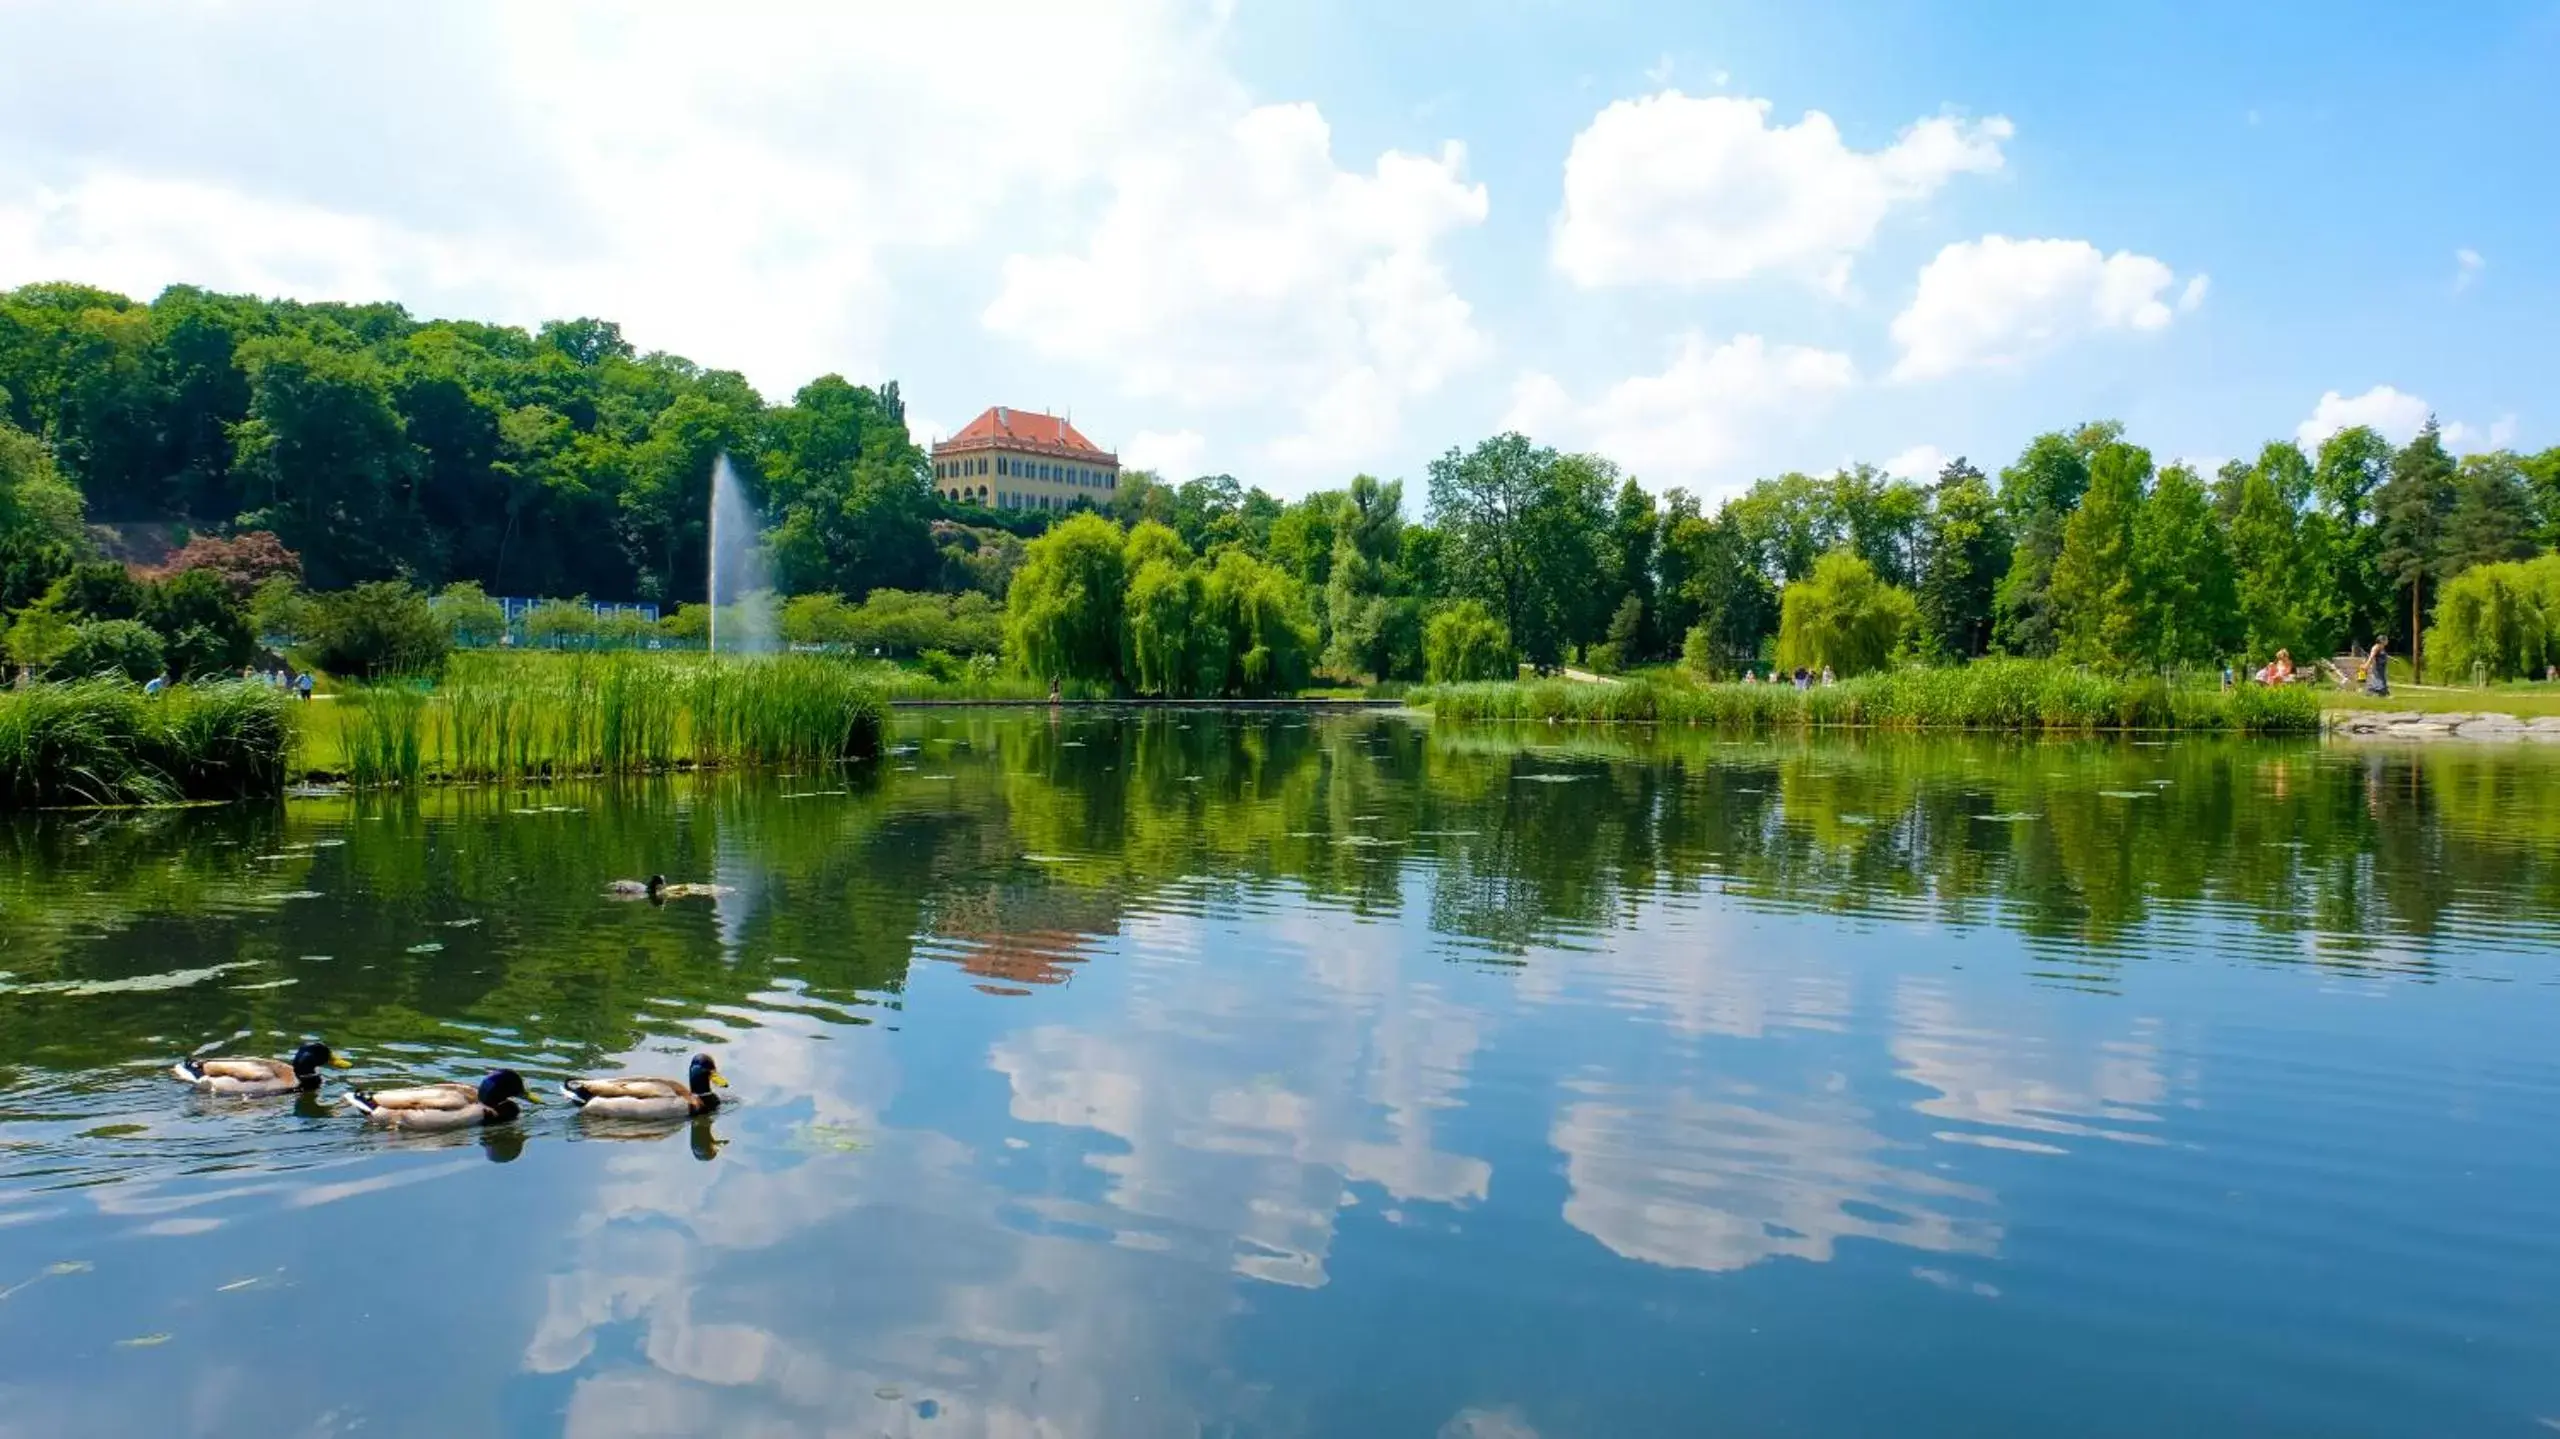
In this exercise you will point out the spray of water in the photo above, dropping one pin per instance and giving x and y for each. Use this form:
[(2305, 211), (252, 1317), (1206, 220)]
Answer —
[(741, 594)]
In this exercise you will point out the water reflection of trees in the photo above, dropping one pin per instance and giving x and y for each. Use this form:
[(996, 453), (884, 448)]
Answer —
[(1000, 841)]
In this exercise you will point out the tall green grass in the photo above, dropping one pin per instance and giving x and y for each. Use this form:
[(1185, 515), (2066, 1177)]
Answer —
[(500, 717), (2015, 695), (104, 742)]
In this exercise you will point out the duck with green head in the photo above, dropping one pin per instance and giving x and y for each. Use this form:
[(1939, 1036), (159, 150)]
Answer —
[(493, 1100), (214, 1074), (642, 1096)]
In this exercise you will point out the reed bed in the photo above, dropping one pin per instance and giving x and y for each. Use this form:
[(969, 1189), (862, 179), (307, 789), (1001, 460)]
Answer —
[(505, 717), (104, 742), (2012, 695)]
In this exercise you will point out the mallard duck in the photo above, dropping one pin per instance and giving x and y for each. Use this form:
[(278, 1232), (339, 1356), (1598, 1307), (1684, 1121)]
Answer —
[(649, 888), (217, 1075), (692, 891), (444, 1106), (636, 1096)]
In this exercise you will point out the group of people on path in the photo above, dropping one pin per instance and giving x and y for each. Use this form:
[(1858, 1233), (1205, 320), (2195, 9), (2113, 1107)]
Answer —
[(1803, 679), (2373, 672)]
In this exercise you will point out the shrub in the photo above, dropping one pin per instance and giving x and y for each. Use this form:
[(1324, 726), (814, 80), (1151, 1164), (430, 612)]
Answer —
[(127, 649), (376, 629), (561, 623), (203, 627), (1465, 642), (470, 617), (280, 613), (242, 563), (99, 590), (1698, 651)]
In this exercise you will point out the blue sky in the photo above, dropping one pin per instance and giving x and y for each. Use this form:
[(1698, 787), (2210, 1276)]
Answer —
[(1296, 241)]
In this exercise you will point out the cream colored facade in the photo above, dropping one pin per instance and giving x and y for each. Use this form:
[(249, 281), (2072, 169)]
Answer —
[(1024, 460)]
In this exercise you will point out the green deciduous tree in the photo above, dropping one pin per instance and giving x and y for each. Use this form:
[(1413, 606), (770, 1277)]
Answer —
[(1843, 616), (2039, 494), (2097, 578), (2491, 518), (2187, 603), (1464, 641), (1063, 613), (1965, 550)]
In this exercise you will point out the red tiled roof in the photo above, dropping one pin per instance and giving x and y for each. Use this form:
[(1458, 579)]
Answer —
[(1003, 422)]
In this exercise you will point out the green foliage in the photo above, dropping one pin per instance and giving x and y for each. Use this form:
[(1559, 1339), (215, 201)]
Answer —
[(561, 624), (35, 501), (1843, 617), (2040, 493), (2412, 506), (536, 715), (469, 615), (203, 626), (2503, 618), (1062, 616), (1260, 615), (1524, 525), (1464, 643), (125, 649), (1965, 552), (2491, 517), (2187, 602), (377, 629), (1996, 694), (2097, 578), (103, 742), (1172, 649)]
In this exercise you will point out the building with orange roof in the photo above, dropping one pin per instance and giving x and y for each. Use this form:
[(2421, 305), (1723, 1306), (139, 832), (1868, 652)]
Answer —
[(1011, 459)]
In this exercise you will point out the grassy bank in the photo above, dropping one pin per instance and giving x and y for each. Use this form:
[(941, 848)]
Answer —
[(511, 716), (104, 742), (2013, 695)]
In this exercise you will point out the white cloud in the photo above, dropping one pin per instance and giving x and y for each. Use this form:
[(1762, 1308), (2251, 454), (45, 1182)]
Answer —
[(1920, 462), (1238, 266), (1997, 301), (1711, 406), (2397, 417), (2467, 265), (1686, 190), (1174, 455), (735, 188), (2464, 439)]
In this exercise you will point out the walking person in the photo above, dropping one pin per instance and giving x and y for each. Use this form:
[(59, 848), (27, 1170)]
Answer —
[(2377, 670)]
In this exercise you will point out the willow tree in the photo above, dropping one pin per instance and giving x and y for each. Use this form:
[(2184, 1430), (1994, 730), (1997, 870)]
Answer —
[(1842, 616)]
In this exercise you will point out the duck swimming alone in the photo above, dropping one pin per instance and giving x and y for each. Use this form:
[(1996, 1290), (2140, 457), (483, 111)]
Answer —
[(635, 1096), (444, 1106), (636, 888), (217, 1075)]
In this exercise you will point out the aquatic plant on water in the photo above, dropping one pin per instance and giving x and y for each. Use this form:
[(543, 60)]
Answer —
[(514, 716), (2018, 695)]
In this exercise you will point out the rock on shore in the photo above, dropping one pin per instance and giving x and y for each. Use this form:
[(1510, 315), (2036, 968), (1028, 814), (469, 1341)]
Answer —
[(2414, 724)]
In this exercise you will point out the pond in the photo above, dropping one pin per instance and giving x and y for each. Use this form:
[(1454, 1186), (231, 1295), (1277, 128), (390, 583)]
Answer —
[(1180, 1073)]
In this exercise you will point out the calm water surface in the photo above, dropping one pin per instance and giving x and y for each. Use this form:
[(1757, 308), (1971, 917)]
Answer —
[(1177, 1074)]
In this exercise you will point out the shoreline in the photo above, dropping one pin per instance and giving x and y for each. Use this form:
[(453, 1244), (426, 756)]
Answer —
[(2363, 724)]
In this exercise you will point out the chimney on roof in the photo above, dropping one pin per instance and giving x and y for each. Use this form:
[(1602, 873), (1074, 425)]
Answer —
[(1002, 422)]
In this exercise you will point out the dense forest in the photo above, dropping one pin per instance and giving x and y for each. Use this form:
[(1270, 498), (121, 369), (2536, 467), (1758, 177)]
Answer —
[(467, 458)]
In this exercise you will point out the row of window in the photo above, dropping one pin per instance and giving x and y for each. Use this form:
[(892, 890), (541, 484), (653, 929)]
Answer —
[(1020, 469), (1006, 499)]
